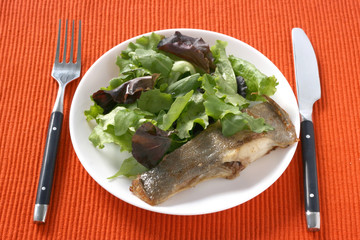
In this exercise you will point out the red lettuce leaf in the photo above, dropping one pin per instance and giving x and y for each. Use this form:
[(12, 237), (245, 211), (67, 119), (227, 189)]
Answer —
[(194, 50), (149, 144), (126, 93)]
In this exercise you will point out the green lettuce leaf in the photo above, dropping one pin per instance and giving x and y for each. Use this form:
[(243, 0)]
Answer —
[(234, 99), (126, 76), (208, 84), (153, 61), (185, 85), (233, 123), (154, 101), (194, 112), (217, 108), (179, 69), (125, 64), (215, 85), (93, 112), (258, 83), (129, 168), (99, 136), (223, 67), (108, 119), (127, 119), (118, 126), (175, 110), (144, 42), (160, 117)]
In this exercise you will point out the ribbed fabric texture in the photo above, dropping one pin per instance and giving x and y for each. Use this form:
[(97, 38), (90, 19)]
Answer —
[(81, 209)]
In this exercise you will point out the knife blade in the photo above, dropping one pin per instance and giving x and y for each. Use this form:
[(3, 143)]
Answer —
[(308, 92)]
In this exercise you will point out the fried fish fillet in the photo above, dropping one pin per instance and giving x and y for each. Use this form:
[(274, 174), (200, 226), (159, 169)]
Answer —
[(211, 155)]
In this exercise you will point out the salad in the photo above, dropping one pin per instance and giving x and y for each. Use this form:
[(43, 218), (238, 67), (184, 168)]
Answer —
[(170, 89)]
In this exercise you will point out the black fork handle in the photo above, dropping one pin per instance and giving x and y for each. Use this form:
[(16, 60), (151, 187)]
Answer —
[(48, 164)]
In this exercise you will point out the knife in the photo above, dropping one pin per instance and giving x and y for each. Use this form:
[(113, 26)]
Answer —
[(308, 92)]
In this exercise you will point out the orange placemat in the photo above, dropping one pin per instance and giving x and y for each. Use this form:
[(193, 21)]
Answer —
[(81, 209)]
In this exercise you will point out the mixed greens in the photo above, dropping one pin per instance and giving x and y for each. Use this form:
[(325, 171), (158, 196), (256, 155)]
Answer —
[(167, 91)]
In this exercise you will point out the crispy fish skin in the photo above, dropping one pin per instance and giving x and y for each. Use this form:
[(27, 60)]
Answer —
[(212, 155)]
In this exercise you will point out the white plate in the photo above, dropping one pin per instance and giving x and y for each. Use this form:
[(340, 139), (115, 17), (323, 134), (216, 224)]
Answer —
[(209, 196)]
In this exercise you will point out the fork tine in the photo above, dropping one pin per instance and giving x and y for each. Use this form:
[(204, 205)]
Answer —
[(72, 42), (65, 44), (58, 44), (78, 60)]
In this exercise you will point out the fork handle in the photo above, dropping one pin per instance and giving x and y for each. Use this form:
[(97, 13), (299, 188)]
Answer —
[(48, 166)]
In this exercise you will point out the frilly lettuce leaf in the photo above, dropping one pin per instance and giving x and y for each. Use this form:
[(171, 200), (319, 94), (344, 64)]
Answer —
[(154, 101), (99, 136), (233, 123), (118, 127), (227, 109), (129, 120), (144, 42), (224, 77), (193, 113), (257, 83), (153, 61), (223, 66), (217, 108), (175, 110), (93, 112)]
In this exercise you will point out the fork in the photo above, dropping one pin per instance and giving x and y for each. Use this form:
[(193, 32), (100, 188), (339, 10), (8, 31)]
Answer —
[(63, 73)]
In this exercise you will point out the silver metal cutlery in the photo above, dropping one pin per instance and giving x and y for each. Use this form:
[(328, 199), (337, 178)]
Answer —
[(64, 72), (308, 92)]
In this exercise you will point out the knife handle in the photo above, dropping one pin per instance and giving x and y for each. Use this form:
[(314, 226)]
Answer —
[(311, 191)]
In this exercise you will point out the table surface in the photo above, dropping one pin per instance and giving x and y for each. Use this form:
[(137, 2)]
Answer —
[(81, 209)]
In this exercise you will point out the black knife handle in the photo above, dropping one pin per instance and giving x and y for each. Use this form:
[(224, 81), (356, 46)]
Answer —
[(49, 158), (311, 191)]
